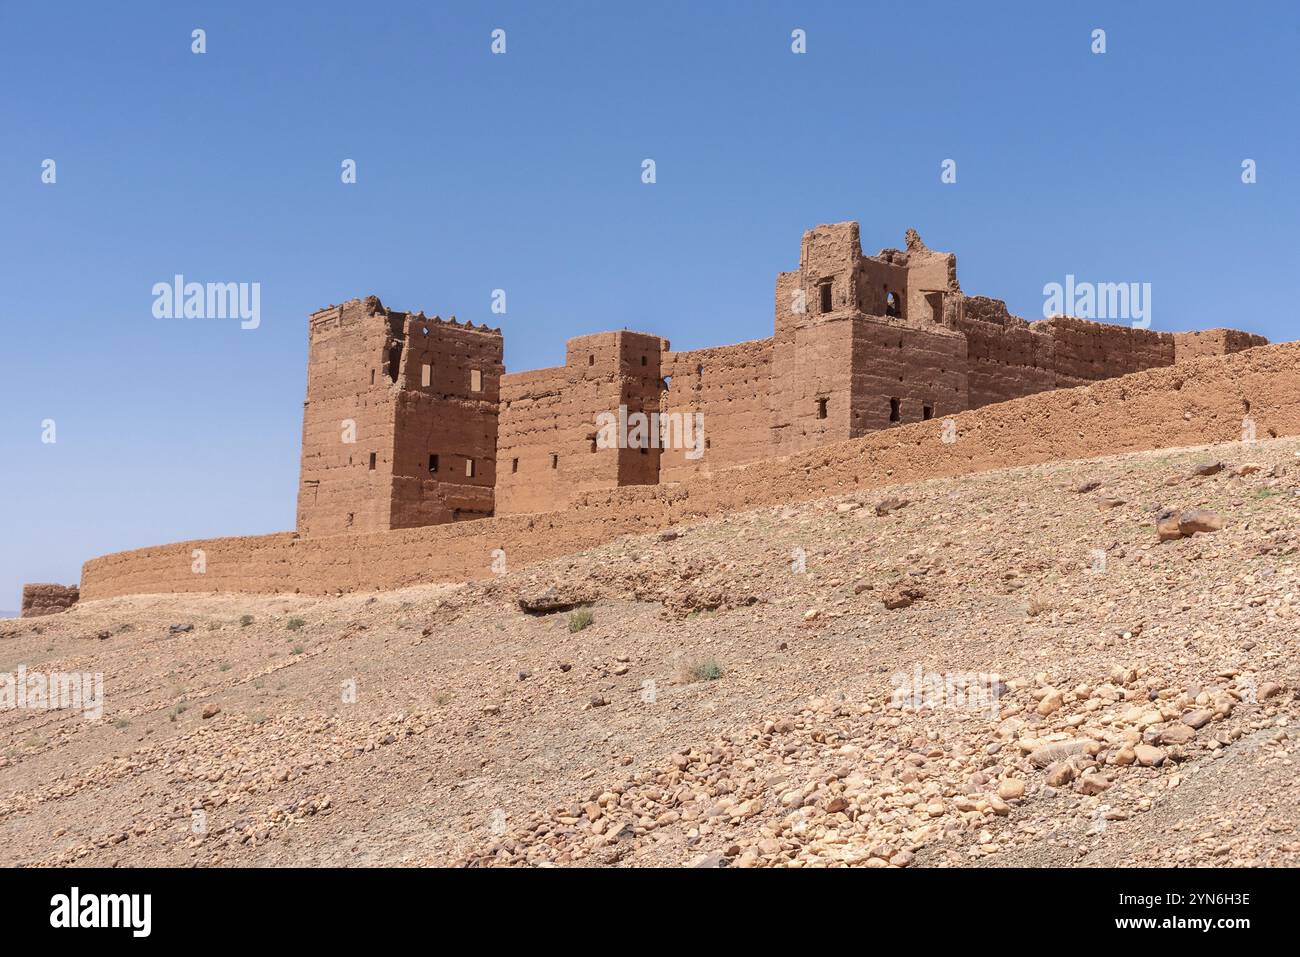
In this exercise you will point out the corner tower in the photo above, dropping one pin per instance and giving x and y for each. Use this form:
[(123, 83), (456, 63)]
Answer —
[(400, 420)]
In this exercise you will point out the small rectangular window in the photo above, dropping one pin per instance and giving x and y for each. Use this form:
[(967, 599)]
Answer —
[(426, 375), (372, 461), (555, 461), (927, 412), (825, 291), (895, 411), (372, 376), (475, 380), (821, 408), (433, 463), (514, 465), (470, 468)]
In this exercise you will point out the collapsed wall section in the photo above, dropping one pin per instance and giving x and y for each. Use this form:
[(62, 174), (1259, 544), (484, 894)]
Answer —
[(47, 599)]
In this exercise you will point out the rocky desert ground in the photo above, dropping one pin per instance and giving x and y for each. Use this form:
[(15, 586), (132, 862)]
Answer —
[(1033, 666)]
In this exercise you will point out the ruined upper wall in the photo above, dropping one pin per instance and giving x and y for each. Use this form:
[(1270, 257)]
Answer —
[(445, 442), (48, 599)]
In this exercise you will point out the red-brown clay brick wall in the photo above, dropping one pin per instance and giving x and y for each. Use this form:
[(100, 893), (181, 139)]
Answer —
[(535, 420), (348, 381), (47, 599), (366, 375), (1195, 402), (1085, 351), (843, 348), (548, 422), (924, 369), (454, 418), (1006, 357), (729, 386), (860, 343), (1213, 342)]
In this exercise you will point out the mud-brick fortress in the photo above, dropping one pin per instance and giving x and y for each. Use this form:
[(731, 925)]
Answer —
[(424, 461), (413, 421)]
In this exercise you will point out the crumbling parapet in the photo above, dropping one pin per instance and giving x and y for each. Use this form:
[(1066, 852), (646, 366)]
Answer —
[(48, 599)]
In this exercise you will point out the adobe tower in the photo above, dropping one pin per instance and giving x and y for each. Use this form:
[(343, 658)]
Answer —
[(400, 422)]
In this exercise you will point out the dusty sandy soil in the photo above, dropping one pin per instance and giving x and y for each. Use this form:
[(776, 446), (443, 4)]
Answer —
[(732, 700)]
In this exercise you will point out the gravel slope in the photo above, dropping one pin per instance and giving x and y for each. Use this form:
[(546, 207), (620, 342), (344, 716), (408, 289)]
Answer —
[(732, 701)]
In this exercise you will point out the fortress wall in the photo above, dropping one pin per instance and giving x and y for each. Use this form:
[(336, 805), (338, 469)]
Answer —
[(1213, 342), (811, 383), (639, 389), (1086, 351), (729, 387), (923, 368), (535, 411), (1197, 402), (547, 425), (1005, 357)]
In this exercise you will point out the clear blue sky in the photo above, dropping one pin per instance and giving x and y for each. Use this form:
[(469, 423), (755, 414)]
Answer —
[(522, 172)]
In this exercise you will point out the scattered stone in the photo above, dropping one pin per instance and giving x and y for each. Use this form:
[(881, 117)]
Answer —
[(179, 629), (1093, 784), (552, 599), (712, 859), (1050, 702), (1011, 789), (1168, 530), (210, 711), (1041, 757), (1148, 756), (1060, 774), (888, 505), (1177, 734), (902, 595), (1198, 520)]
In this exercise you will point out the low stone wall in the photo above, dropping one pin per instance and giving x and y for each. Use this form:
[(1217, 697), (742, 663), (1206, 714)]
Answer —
[(1200, 401), (48, 599)]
